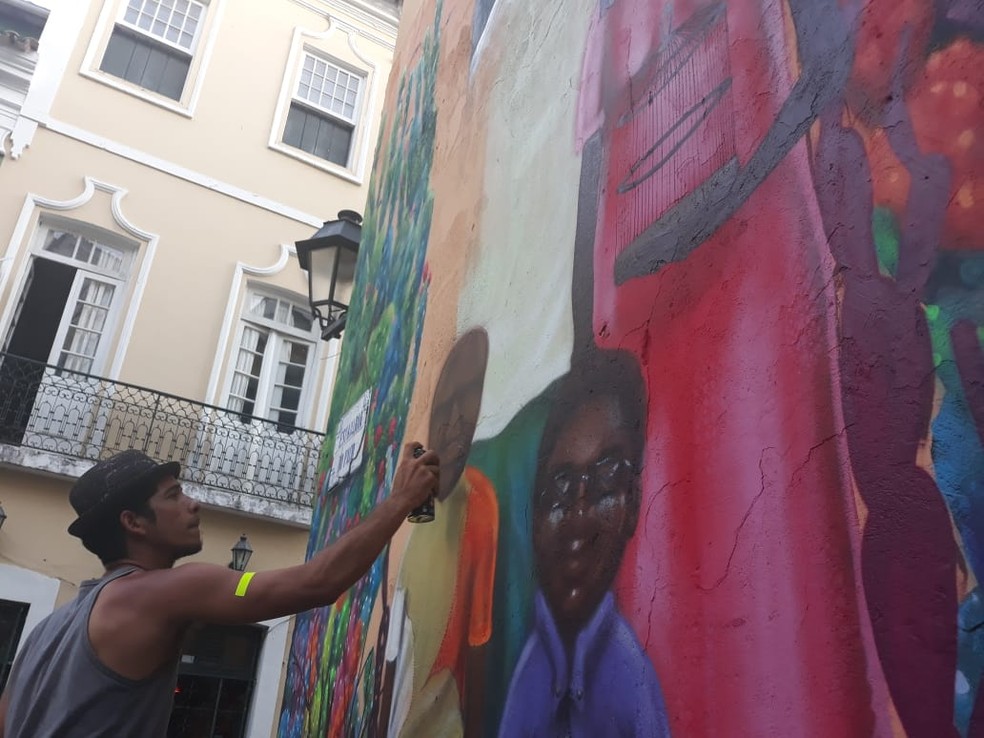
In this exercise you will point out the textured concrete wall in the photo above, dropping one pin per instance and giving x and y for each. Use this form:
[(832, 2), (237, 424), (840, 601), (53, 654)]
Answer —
[(688, 295)]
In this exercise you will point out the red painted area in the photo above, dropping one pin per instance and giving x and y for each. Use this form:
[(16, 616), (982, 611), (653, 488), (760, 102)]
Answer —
[(740, 580)]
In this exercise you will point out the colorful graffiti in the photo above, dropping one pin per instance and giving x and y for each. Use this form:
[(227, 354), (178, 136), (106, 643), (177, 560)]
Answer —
[(712, 415), (330, 687)]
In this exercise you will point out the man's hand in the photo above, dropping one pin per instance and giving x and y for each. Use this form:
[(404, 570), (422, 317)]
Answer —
[(416, 478)]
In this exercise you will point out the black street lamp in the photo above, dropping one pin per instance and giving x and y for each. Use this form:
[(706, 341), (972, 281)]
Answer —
[(240, 554), (3, 516), (329, 258)]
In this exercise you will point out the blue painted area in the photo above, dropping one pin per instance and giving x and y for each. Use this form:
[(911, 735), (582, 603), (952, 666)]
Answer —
[(958, 461)]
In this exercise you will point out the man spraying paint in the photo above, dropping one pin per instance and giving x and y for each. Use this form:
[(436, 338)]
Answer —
[(106, 663)]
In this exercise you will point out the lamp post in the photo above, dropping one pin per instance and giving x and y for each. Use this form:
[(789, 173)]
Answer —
[(329, 257), (240, 554)]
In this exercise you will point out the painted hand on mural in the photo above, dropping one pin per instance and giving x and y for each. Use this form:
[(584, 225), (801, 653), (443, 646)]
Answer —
[(582, 671)]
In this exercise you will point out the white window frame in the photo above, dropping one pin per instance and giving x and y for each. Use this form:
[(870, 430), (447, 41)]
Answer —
[(188, 51), (113, 14), (120, 280), (317, 106), (263, 277), (278, 331), (109, 325), (45, 227), (356, 121), (313, 43), (39, 213)]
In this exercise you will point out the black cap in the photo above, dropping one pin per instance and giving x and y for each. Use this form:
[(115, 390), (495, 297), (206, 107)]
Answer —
[(114, 483)]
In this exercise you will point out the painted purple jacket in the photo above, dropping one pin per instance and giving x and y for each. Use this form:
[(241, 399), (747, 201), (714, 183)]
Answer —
[(611, 690)]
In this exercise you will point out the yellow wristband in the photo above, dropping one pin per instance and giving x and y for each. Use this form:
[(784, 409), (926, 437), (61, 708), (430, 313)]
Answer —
[(244, 581)]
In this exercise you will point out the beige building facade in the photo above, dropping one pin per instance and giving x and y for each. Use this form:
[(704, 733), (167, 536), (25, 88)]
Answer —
[(160, 159)]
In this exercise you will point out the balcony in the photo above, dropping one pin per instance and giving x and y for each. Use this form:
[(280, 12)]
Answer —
[(59, 421)]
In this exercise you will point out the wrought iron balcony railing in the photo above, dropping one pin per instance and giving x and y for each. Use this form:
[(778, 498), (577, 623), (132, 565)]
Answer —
[(81, 416)]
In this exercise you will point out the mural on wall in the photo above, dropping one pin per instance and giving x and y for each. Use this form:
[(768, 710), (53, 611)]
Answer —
[(330, 686), (737, 485)]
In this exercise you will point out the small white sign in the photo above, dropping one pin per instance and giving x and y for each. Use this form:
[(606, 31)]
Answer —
[(350, 440)]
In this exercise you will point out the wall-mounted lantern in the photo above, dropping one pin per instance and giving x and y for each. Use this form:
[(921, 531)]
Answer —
[(241, 553), (329, 258)]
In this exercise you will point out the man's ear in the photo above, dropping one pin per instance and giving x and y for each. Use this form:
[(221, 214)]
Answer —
[(132, 522)]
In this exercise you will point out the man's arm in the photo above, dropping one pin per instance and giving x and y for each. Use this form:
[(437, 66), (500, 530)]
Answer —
[(208, 593)]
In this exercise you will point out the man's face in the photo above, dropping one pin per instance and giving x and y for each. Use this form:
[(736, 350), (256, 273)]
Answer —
[(456, 405), (176, 524), (585, 512)]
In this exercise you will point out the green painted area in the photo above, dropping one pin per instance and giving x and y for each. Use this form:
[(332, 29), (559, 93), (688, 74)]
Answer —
[(886, 232)]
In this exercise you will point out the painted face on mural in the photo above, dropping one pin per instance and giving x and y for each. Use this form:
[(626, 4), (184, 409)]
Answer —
[(457, 401), (585, 509)]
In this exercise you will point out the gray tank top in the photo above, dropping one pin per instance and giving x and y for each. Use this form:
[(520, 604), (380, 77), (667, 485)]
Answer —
[(58, 688)]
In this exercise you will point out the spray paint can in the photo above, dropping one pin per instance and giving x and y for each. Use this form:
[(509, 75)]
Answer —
[(424, 513)]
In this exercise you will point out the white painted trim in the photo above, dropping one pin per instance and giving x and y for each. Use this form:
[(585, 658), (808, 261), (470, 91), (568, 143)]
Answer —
[(286, 86), (146, 95), (140, 283), (362, 145), (376, 19), (38, 591), (370, 116), (353, 35), (100, 34), (315, 161), (19, 242), (176, 170), (266, 693), (213, 32), (113, 9), (235, 292), (57, 42), (352, 30)]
